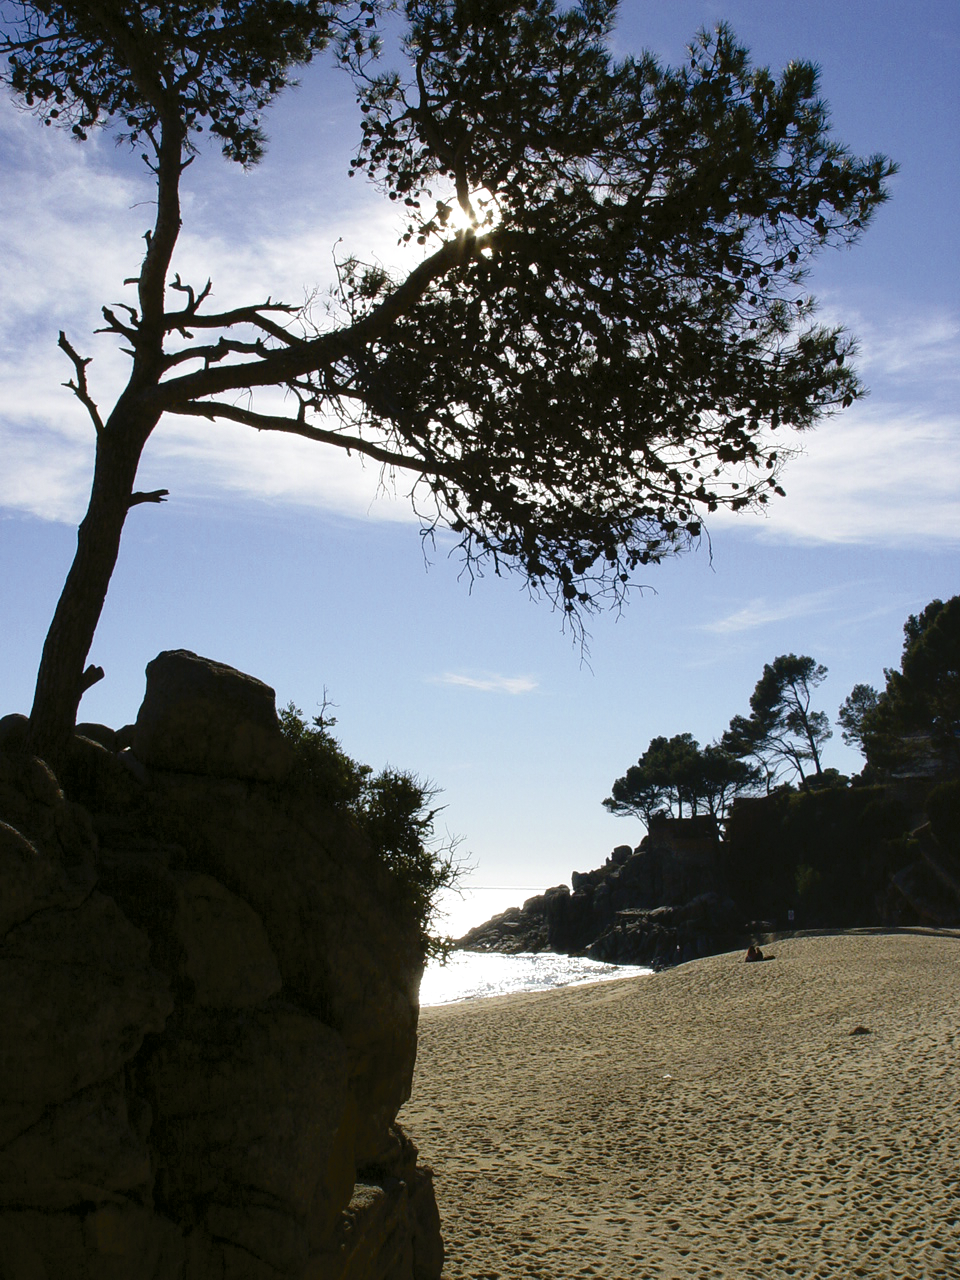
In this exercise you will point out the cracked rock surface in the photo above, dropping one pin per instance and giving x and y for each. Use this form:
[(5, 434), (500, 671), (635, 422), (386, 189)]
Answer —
[(208, 1005)]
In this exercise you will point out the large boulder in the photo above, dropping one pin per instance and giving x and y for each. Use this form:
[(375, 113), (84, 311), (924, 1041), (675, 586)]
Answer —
[(123, 1240), (226, 955), (60, 831), (251, 1135), (643, 906), (77, 996), (209, 941), (346, 953), (200, 716), (88, 1149), (706, 925), (208, 1009), (29, 880), (391, 1227)]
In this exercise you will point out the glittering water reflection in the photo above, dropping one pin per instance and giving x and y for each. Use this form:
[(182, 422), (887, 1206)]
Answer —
[(473, 975)]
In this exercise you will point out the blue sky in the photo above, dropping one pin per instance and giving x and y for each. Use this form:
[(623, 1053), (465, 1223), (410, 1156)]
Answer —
[(291, 564)]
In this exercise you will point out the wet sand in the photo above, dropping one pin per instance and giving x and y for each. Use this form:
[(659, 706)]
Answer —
[(723, 1120)]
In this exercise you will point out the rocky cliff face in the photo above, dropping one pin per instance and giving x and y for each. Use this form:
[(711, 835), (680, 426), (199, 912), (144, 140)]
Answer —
[(209, 1004), (653, 905), (838, 857)]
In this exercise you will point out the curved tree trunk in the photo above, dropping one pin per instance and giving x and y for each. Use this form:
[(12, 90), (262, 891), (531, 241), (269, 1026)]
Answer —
[(60, 681), (120, 443)]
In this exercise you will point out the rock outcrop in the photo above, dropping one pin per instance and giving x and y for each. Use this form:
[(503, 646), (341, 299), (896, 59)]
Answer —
[(208, 996), (653, 905), (207, 718), (835, 857), (930, 885)]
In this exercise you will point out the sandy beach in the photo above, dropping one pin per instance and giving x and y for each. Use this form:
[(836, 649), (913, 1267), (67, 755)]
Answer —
[(796, 1118)]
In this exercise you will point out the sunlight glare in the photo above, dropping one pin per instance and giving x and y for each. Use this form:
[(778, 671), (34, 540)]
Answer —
[(486, 211)]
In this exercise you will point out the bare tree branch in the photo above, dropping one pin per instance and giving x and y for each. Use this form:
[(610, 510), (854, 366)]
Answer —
[(279, 367), (193, 299), (115, 325), (181, 321), (300, 427), (216, 352), (91, 676), (79, 388), (155, 495)]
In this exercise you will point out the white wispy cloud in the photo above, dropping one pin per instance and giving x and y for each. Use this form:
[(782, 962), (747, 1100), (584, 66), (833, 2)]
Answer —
[(71, 233), (887, 472), (191, 457), (52, 483), (61, 225), (910, 346), (872, 477), (761, 613), (488, 683)]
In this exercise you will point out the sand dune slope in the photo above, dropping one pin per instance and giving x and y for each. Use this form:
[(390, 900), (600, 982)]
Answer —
[(721, 1120)]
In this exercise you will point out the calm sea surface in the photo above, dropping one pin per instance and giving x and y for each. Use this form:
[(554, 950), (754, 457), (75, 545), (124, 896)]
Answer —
[(472, 975)]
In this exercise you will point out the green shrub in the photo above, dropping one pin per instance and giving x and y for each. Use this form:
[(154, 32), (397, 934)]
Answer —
[(320, 765), (392, 809)]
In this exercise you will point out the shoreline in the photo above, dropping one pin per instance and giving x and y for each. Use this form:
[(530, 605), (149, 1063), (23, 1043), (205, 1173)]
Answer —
[(718, 1120), (486, 975)]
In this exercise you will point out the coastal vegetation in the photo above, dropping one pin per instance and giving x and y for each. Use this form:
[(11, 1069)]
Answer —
[(393, 810), (911, 728), (783, 731), (800, 837), (782, 737), (603, 325), (914, 722), (676, 771), (754, 834)]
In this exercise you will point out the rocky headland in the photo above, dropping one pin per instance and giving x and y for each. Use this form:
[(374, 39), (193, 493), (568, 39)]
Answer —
[(209, 1003), (655, 905), (858, 857)]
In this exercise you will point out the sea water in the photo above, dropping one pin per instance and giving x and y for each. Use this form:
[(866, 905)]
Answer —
[(473, 975)]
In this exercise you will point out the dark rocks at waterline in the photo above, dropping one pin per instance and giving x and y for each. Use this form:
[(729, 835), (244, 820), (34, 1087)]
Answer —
[(707, 925), (655, 937), (851, 857), (652, 906), (208, 1012)]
